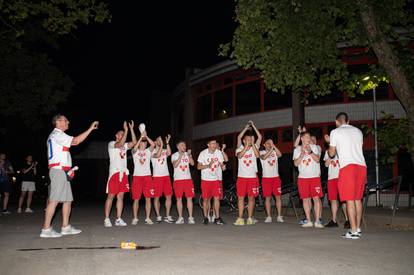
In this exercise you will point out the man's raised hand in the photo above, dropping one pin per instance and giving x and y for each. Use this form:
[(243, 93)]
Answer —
[(94, 125), (131, 124)]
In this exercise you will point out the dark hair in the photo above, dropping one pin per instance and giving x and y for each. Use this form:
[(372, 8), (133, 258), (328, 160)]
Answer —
[(179, 141), (304, 133), (342, 117), (56, 118), (211, 139)]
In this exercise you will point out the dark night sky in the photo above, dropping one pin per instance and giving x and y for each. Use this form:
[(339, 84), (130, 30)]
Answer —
[(145, 49)]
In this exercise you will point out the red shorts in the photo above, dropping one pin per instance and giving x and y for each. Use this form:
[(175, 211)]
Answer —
[(211, 189), (271, 186), (333, 189), (351, 183), (162, 185), (184, 187), (247, 186), (310, 188), (142, 184), (115, 186)]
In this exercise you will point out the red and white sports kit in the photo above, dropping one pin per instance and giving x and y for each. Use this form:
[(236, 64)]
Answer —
[(271, 184), (142, 180), (309, 179), (348, 141), (183, 184), (210, 181), (58, 145), (160, 175), (333, 174), (247, 182), (118, 171)]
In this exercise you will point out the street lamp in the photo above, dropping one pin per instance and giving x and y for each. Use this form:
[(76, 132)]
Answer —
[(374, 111)]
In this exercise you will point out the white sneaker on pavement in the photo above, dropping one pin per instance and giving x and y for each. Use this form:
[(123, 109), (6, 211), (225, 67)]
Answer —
[(107, 222), (180, 220), (148, 221), (280, 219), (28, 210), (49, 233), (120, 222), (70, 230), (19, 210), (168, 219), (191, 220), (134, 221), (268, 220), (307, 225)]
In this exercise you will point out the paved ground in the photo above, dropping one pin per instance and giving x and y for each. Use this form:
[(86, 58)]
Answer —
[(198, 249)]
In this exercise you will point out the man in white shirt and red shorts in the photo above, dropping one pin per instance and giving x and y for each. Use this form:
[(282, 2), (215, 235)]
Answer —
[(210, 161), (142, 180), (118, 184), (183, 184), (271, 183), (247, 153), (346, 141), (60, 161), (161, 178), (306, 158)]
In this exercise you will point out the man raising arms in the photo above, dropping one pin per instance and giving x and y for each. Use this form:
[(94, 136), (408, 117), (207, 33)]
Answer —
[(161, 178), (142, 181), (346, 141), (118, 184), (247, 183), (60, 161)]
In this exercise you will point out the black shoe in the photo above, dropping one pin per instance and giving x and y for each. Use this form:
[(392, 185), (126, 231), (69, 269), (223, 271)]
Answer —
[(218, 221), (205, 221), (331, 223), (347, 225)]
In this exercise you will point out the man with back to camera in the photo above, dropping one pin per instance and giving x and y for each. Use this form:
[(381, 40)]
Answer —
[(346, 141), (60, 161), (117, 184)]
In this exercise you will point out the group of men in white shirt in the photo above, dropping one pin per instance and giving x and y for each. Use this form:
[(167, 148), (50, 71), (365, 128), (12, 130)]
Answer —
[(344, 158)]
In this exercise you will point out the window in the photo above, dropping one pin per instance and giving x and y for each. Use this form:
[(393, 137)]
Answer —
[(203, 110), (248, 98), (317, 132), (271, 134), (276, 100), (223, 103), (287, 135)]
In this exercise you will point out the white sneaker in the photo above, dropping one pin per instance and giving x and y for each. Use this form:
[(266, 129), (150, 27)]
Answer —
[(158, 219), (191, 220), (350, 235), (70, 230), (168, 219), (107, 222), (280, 219), (120, 222), (19, 210), (50, 233), (28, 210), (307, 225), (255, 220), (180, 220), (319, 225), (359, 231), (268, 220), (213, 218), (148, 221), (134, 221)]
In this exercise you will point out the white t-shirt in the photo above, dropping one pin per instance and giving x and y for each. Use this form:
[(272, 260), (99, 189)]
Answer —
[(142, 160), (270, 168), (117, 159), (247, 167), (182, 171), (333, 168), (160, 165), (308, 168), (348, 141), (58, 144), (205, 157)]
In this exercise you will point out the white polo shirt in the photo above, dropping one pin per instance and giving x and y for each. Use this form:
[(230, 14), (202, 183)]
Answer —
[(348, 141), (205, 157), (58, 144), (308, 167), (247, 167), (333, 168), (182, 171), (160, 165), (270, 167), (142, 160), (117, 159)]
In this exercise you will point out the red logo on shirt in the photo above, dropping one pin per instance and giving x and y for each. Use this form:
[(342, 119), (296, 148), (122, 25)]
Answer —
[(271, 162), (183, 167), (335, 163), (307, 161)]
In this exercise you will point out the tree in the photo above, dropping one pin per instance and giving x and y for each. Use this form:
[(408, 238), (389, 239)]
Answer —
[(294, 44), (31, 86)]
